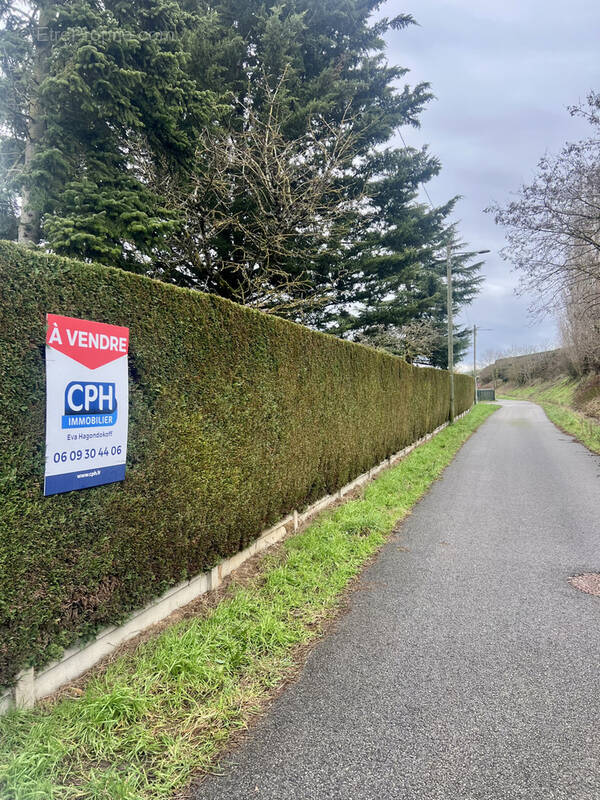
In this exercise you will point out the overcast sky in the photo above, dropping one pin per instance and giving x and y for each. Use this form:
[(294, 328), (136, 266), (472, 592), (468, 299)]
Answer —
[(503, 74)]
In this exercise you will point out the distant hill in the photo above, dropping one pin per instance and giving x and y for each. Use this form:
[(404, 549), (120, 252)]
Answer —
[(547, 378), (520, 370)]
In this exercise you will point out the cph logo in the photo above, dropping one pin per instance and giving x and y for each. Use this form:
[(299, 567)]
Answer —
[(89, 405)]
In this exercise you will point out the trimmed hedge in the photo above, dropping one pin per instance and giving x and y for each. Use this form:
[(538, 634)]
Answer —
[(236, 417)]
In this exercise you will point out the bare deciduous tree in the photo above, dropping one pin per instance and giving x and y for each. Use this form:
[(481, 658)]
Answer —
[(553, 227), (415, 341), (261, 208), (579, 325)]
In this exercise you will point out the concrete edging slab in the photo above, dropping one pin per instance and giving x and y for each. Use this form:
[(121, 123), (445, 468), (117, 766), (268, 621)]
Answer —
[(77, 660)]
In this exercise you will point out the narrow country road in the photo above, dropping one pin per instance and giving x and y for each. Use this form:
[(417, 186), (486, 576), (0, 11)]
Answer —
[(467, 666)]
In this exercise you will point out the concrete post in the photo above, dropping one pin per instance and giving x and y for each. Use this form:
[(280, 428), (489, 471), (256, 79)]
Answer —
[(450, 328), (24, 691)]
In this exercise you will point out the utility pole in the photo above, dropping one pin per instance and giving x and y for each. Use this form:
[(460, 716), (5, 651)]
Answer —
[(450, 328), (475, 360)]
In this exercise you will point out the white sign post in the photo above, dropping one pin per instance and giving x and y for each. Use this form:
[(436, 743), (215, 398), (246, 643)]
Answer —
[(87, 403)]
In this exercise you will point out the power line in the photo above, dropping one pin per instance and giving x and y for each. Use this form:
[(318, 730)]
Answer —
[(422, 184)]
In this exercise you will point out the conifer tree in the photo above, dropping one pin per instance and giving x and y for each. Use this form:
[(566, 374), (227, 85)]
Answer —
[(112, 112), (83, 82)]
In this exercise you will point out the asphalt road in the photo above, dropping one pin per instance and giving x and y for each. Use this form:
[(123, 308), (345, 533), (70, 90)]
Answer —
[(467, 666)]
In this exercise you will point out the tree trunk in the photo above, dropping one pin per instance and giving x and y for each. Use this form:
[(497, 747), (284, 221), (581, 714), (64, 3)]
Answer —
[(29, 230)]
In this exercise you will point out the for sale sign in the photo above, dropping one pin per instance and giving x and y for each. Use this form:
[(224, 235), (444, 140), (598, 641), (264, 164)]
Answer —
[(87, 403)]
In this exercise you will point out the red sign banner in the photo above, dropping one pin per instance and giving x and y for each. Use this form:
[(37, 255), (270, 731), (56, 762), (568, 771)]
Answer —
[(92, 344)]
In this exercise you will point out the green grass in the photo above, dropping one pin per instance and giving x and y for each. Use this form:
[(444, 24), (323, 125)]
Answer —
[(142, 728), (560, 392), (556, 398)]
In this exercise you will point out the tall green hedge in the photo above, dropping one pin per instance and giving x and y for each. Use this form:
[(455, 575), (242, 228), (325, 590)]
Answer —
[(236, 417)]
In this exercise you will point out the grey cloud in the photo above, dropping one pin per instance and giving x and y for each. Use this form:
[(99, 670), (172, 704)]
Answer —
[(503, 75)]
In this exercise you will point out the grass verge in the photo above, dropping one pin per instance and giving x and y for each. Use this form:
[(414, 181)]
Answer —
[(154, 717), (556, 398)]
